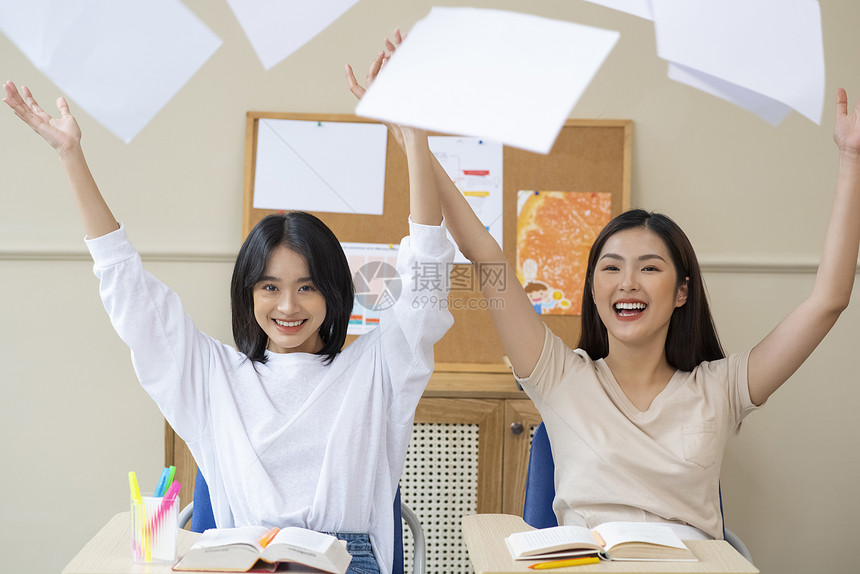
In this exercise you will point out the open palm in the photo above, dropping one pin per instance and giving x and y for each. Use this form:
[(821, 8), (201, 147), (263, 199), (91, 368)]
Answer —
[(846, 132), (61, 132)]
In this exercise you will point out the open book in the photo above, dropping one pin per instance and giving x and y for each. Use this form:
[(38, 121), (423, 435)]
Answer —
[(610, 540), (240, 550)]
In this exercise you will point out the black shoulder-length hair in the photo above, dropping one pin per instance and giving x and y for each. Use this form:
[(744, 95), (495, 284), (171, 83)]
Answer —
[(692, 337), (312, 239)]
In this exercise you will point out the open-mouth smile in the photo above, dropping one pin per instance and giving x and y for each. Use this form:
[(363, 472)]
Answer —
[(629, 309)]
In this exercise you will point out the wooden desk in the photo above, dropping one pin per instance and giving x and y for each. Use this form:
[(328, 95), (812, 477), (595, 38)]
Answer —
[(485, 537), (109, 551)]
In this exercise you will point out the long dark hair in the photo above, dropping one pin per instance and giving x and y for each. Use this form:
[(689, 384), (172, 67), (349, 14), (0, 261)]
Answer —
[(692, 337), (309, 237)]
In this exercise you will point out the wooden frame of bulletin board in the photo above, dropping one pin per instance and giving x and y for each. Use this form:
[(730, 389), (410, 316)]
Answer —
[(589, 155)]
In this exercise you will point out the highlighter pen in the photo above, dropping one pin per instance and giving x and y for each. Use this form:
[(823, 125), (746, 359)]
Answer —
[(159, 488), (171, 474), (135, 488), (171, 493), (264, 541), (564, 563), (166, 503)]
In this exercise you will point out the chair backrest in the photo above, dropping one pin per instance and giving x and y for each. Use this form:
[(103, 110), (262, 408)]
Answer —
[(204, 518), (540, 491), (540, 483)]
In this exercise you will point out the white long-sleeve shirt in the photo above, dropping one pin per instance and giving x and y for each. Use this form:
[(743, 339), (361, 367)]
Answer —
[(291, 442)]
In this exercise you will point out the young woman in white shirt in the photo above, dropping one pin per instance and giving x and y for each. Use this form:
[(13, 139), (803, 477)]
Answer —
[(638, 415), (288, 429)]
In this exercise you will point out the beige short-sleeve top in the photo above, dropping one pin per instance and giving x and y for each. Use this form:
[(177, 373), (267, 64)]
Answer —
[(615, 462)]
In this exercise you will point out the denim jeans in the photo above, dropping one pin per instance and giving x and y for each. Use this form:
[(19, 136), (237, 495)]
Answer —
[(358, 544)]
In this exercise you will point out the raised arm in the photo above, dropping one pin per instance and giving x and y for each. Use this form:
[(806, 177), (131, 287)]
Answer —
[(64, 135), (785, 348), (424, 204), (520, 330)]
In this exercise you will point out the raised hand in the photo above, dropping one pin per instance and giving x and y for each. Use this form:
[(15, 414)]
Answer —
[(846, 132), (375, 66), (62, 132), (64, 135)]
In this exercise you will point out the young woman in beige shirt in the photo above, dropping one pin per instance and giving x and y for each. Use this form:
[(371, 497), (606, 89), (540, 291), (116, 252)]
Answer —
[(638, 415)]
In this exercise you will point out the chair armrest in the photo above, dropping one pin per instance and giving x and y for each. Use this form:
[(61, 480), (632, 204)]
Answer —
[(419, 555), (185, 515)]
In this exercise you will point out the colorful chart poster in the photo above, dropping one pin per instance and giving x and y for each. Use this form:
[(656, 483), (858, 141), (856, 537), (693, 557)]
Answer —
[(555, 230), (475, 167), (377, 283)]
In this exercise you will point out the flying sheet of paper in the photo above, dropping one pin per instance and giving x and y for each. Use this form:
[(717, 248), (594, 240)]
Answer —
[(766, 108), (512, 78), (119, 61), (377, 283), (277, 28), (771, 47), (320, 166), (475, 167), (641, 8)]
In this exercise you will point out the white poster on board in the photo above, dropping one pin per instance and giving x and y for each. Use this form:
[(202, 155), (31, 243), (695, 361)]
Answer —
[(320, 166)]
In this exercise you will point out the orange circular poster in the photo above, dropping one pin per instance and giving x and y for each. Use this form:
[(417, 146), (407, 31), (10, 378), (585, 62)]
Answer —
[(555, 230)]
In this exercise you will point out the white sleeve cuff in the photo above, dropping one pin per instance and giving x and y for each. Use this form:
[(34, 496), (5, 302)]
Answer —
[(111, 248), (430, 240)]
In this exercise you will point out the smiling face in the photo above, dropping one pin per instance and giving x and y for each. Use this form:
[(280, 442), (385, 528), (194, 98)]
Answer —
[(635, 287), (287, 305)]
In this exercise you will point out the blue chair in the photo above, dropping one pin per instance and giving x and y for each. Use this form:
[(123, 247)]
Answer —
[(202, 517), (540, 491)]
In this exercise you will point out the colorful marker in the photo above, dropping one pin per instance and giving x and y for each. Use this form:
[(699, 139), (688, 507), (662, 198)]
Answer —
[(166, 503), (264, 541), (135, 488), (162, 483), (170, 476)]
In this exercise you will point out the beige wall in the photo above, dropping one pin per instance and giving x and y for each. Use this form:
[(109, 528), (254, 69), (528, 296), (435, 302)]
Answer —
[(753, 198)]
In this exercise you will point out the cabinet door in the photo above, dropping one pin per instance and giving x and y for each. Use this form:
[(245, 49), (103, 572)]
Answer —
[(521, 419), (453, 468)]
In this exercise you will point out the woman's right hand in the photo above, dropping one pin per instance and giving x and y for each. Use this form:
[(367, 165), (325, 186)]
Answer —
[(375, 66), (63, 132)]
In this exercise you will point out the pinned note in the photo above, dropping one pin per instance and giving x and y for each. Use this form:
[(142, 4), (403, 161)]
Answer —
[(475, 165), (320, 166)]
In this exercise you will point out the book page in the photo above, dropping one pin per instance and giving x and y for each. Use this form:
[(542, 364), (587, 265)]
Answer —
[(304, 539), (549, 539), (216, 537), (615, 533)]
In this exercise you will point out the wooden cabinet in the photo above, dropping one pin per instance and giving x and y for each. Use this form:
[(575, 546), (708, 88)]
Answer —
[(468, 454)]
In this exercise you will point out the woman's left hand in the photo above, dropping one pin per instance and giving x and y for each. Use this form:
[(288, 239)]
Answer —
[(846, 132)]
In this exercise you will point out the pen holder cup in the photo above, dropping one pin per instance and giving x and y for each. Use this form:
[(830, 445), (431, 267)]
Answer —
[(154, 529)]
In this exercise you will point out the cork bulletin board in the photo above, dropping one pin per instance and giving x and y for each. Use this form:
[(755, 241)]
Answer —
[(588, 156)]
